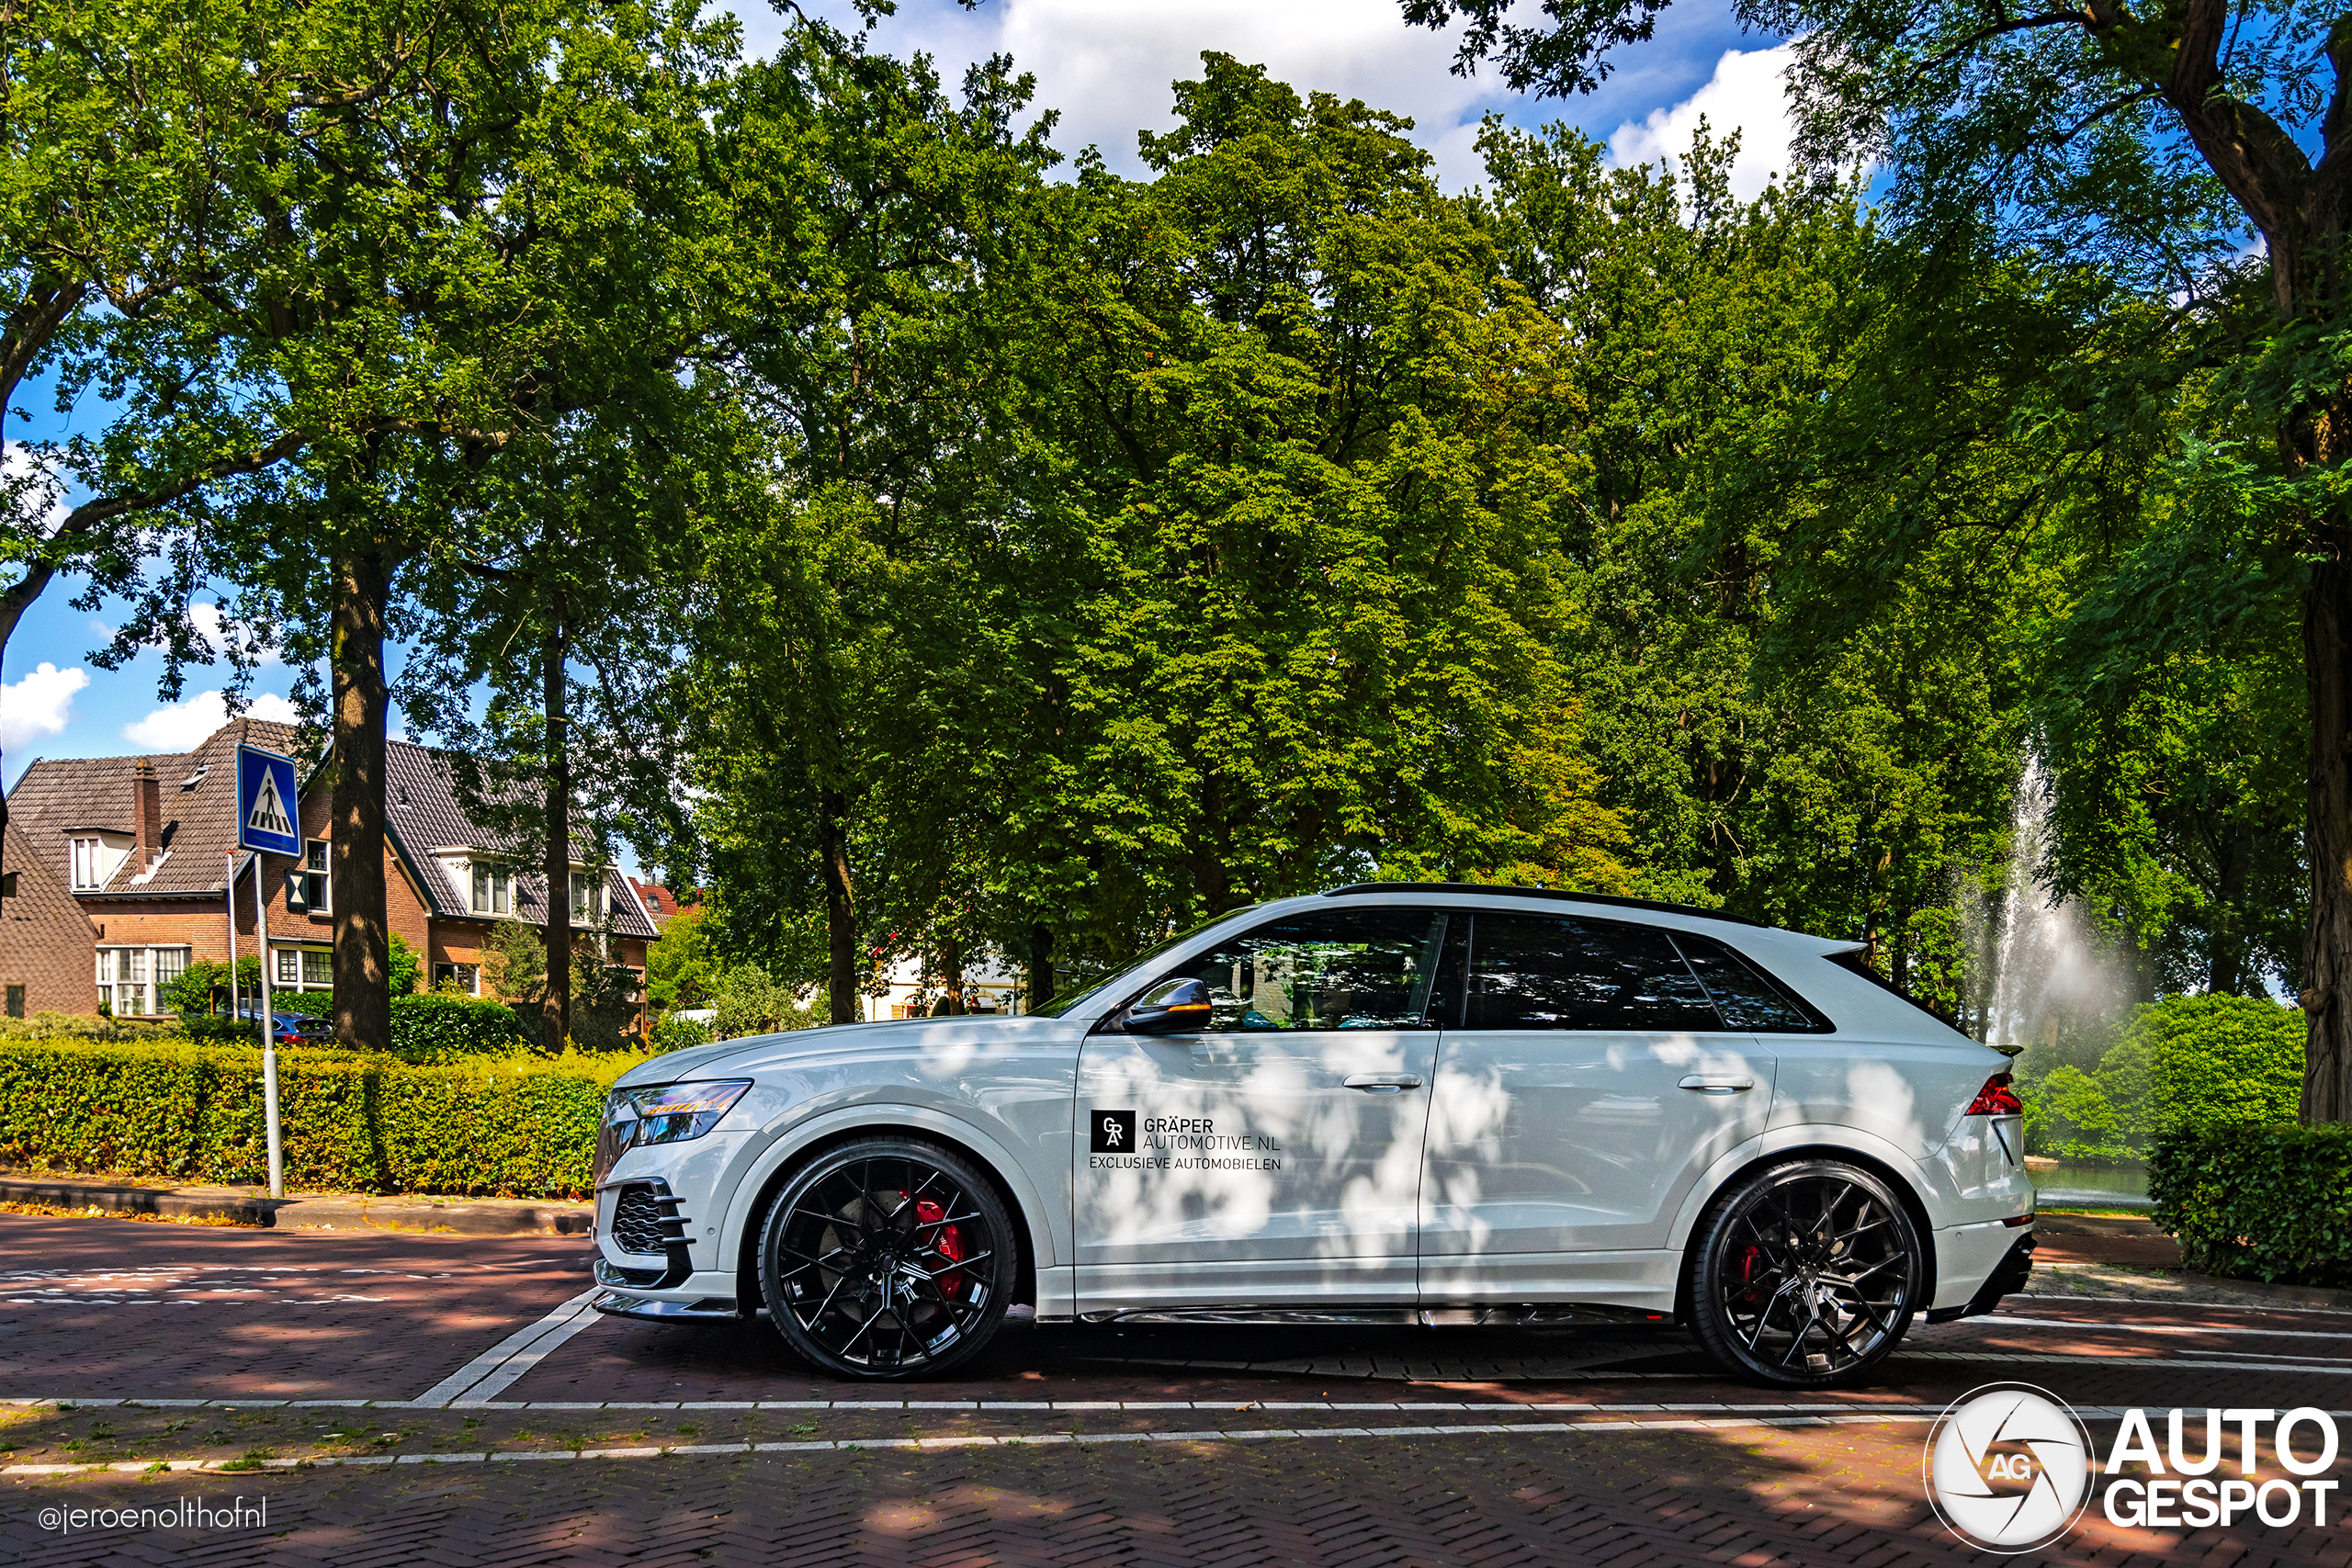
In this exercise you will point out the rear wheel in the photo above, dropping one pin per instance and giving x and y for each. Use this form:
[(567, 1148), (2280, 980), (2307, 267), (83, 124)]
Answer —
[(1805, 1275), (888, 1258)]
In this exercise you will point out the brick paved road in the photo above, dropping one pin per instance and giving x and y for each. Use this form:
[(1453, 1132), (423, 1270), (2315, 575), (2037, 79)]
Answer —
[(1616, 1490)]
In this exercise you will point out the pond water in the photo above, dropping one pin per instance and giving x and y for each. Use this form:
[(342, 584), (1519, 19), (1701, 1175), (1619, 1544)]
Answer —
[(2122, 1187)]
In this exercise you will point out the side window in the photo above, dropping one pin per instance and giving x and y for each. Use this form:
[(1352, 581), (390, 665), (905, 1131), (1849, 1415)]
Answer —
[(1542, 972), (1747, 997), (1347, 969)]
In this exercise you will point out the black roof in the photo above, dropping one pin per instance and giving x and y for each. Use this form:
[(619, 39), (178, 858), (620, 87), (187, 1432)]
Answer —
[(1492, 889)]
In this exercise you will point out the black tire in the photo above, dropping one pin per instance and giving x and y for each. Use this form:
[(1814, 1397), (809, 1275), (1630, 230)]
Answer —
[(887, 1258), (1804, 1275)]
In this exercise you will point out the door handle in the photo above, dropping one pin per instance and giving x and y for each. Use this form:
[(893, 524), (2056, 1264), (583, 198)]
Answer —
[(1706, 1085), (1380, 1083)]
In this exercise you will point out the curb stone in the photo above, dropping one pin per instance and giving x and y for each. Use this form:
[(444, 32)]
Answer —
[(326, 1211)]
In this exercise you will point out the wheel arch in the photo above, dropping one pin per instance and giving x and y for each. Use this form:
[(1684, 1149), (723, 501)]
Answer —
[(790, 1154), (1753, 1158)]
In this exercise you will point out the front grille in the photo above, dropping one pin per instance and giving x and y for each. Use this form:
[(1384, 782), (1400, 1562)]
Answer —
[(637, 1223)]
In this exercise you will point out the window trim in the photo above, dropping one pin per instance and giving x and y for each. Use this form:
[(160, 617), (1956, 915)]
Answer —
[(146, 981), (94, 849)]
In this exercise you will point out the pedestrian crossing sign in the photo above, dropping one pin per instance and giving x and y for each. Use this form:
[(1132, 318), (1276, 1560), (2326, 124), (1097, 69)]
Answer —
[(267, 806)]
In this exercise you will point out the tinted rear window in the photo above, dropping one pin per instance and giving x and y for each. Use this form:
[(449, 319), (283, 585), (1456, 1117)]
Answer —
[(1746, 996), (1859, 963)]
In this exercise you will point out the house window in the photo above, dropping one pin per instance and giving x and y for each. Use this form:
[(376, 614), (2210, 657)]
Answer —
[(313, 875), (89, 870), (494, 890), (586, 890), (289, 967), (465, 976), (318, 968), (15, 1001), (131, 979)]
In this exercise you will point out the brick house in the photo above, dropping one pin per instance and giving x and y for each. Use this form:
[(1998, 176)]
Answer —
[(121, 863)]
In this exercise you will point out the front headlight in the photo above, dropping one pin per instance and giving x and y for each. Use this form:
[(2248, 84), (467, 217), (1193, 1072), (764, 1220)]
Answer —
[(674, 1113)]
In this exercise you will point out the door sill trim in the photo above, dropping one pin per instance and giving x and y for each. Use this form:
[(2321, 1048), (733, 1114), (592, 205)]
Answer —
[(1542, 1314)]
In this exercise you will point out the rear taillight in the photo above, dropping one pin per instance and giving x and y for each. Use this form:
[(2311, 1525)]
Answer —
[(1996, 1099)]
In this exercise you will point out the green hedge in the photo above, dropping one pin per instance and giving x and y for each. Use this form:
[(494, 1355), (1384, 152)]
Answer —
[(435, 1028), (2263, 1202), (521, 1127)]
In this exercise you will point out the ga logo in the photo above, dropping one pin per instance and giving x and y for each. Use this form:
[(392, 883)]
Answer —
[(2008, 1468)]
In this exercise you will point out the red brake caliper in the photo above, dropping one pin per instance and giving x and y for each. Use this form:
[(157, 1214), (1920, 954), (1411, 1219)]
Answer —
[(948, 1243), (1749, 1256)]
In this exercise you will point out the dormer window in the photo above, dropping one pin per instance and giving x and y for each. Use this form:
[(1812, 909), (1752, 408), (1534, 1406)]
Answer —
[(494, 890), (587, 890), (89, 865)]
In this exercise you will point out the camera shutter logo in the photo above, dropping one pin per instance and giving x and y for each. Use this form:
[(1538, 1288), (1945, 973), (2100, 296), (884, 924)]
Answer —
[(1111, 1133), (2008, 1468)]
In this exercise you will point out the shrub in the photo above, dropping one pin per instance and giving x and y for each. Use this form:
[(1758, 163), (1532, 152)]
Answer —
[(2265, 1202), (2185, 1063), (523, 1127), (82, 1026), (406, 967), (441, 1028), (675, 1033), (748, 1002)]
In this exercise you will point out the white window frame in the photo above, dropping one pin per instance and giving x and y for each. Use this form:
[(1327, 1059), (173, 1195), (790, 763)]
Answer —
[(490, 889), (318, 881), (587, 897), (131, 979), (89, 865), (470, 972)]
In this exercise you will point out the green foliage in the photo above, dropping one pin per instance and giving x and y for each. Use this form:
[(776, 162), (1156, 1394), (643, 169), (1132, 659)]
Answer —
[(522, 1129), (675, 1033), (515, 962), (204, 986), (678, 967), (749, 1003), (407, 966), (439, 1028), (82, 1027), (2264, 1203), (2221, 1061), (2183, 1065)]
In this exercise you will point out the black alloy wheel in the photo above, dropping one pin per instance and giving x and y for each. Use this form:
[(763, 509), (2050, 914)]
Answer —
[(1805, 1275), (888, 1258)]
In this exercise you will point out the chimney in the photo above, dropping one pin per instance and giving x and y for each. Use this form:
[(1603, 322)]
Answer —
[(146, 814)]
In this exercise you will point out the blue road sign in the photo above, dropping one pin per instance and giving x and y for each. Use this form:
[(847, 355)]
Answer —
[(268, 809)]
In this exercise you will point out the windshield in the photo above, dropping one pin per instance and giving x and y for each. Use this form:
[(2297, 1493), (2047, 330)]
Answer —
[(1056, 1006)]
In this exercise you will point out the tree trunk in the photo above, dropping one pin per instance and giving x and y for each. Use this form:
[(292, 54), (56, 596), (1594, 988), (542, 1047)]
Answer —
[(1041, 966), (2327, 943), (951, 973), (363, 1018), (2226, 958), (841, 908), (555, 1019)]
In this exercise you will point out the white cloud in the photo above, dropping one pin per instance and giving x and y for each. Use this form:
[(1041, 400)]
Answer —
[(40, 703), (180, 727), (1748, 93), (1107, 67)]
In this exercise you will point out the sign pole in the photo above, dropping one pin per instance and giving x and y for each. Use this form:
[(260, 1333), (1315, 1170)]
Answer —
[(229, 887), (268, 1037)]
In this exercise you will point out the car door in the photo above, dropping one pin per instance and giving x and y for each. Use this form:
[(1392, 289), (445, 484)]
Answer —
[(1275, 1155), (1588, 1082)]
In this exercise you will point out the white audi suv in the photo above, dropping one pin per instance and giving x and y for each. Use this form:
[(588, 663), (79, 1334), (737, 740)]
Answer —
[(1395, 1102)]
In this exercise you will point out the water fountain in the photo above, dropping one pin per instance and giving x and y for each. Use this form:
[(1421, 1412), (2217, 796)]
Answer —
[(2050, 972)]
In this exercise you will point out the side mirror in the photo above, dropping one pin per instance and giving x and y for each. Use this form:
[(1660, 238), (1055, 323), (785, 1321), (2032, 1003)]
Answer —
[(1172, 1006)]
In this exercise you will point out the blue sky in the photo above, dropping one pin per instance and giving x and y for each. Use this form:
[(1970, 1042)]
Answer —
[(1108, 65)]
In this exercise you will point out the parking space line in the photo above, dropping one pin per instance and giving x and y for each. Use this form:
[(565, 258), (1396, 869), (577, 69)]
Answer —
[(500, 1367), (2012, 1358)]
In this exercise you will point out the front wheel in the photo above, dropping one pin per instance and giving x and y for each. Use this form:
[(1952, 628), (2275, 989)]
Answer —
[(1805, 1275), (888, 1258)]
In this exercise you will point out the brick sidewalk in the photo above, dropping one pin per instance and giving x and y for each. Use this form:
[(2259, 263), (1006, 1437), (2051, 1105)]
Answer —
[(88, 1311)]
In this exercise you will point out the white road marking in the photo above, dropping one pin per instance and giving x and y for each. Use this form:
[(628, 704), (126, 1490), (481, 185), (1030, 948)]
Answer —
[(498, 1367)]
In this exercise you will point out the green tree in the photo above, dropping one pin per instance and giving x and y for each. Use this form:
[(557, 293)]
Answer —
[(2152, 140)]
